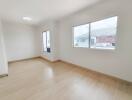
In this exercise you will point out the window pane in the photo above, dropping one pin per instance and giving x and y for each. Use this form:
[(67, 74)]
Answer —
[(48, 39), (103, 33), (44, 41), (81, 36)]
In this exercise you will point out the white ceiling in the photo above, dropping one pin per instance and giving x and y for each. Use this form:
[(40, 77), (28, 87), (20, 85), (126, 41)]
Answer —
[(40, 10)]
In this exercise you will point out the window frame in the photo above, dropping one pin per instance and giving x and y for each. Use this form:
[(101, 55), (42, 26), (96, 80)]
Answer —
[(73, 35), (46, 41), (89, 34)]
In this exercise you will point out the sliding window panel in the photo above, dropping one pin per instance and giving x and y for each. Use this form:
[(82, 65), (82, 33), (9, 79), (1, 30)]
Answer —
[(45, 41), (81, 36), (103, 34), (48, 41)]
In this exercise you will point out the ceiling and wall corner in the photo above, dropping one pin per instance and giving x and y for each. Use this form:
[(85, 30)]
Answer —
[(41, 10)]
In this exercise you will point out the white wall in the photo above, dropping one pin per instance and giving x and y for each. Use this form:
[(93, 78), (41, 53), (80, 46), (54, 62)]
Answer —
[(115, 63), (3, 60), (52, 27), (22, 41)]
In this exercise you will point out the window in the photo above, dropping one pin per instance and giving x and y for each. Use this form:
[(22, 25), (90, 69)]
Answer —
[(103, 33), (100, 34), (81, 37), (46, 41)]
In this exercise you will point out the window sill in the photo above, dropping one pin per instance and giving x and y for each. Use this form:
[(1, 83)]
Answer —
[(101, 49)]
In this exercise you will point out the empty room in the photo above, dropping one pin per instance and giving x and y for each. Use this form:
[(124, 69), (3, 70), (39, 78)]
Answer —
[(65, 50)]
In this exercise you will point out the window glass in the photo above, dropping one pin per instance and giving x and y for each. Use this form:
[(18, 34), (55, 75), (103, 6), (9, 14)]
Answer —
[(103, 34), (46, 41), (81, 36)]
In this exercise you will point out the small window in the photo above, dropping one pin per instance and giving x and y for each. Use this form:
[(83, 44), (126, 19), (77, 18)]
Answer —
[(46, 41), (81, 36), (103, 34)]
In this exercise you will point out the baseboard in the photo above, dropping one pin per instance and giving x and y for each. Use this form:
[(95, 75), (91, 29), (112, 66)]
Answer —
[(50, 60), (23, 59), (99, 73), (93, 71), (4, 75)]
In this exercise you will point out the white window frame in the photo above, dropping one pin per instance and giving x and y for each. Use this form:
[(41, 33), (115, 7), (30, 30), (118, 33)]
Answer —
[(45, 32), (90, 36)]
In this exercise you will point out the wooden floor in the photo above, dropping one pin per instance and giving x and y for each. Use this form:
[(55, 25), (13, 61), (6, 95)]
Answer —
[(38, 79)]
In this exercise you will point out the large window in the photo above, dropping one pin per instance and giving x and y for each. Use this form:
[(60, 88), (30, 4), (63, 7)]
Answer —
[(100, 34), (103, 33), (81, 37), (46, 41)]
